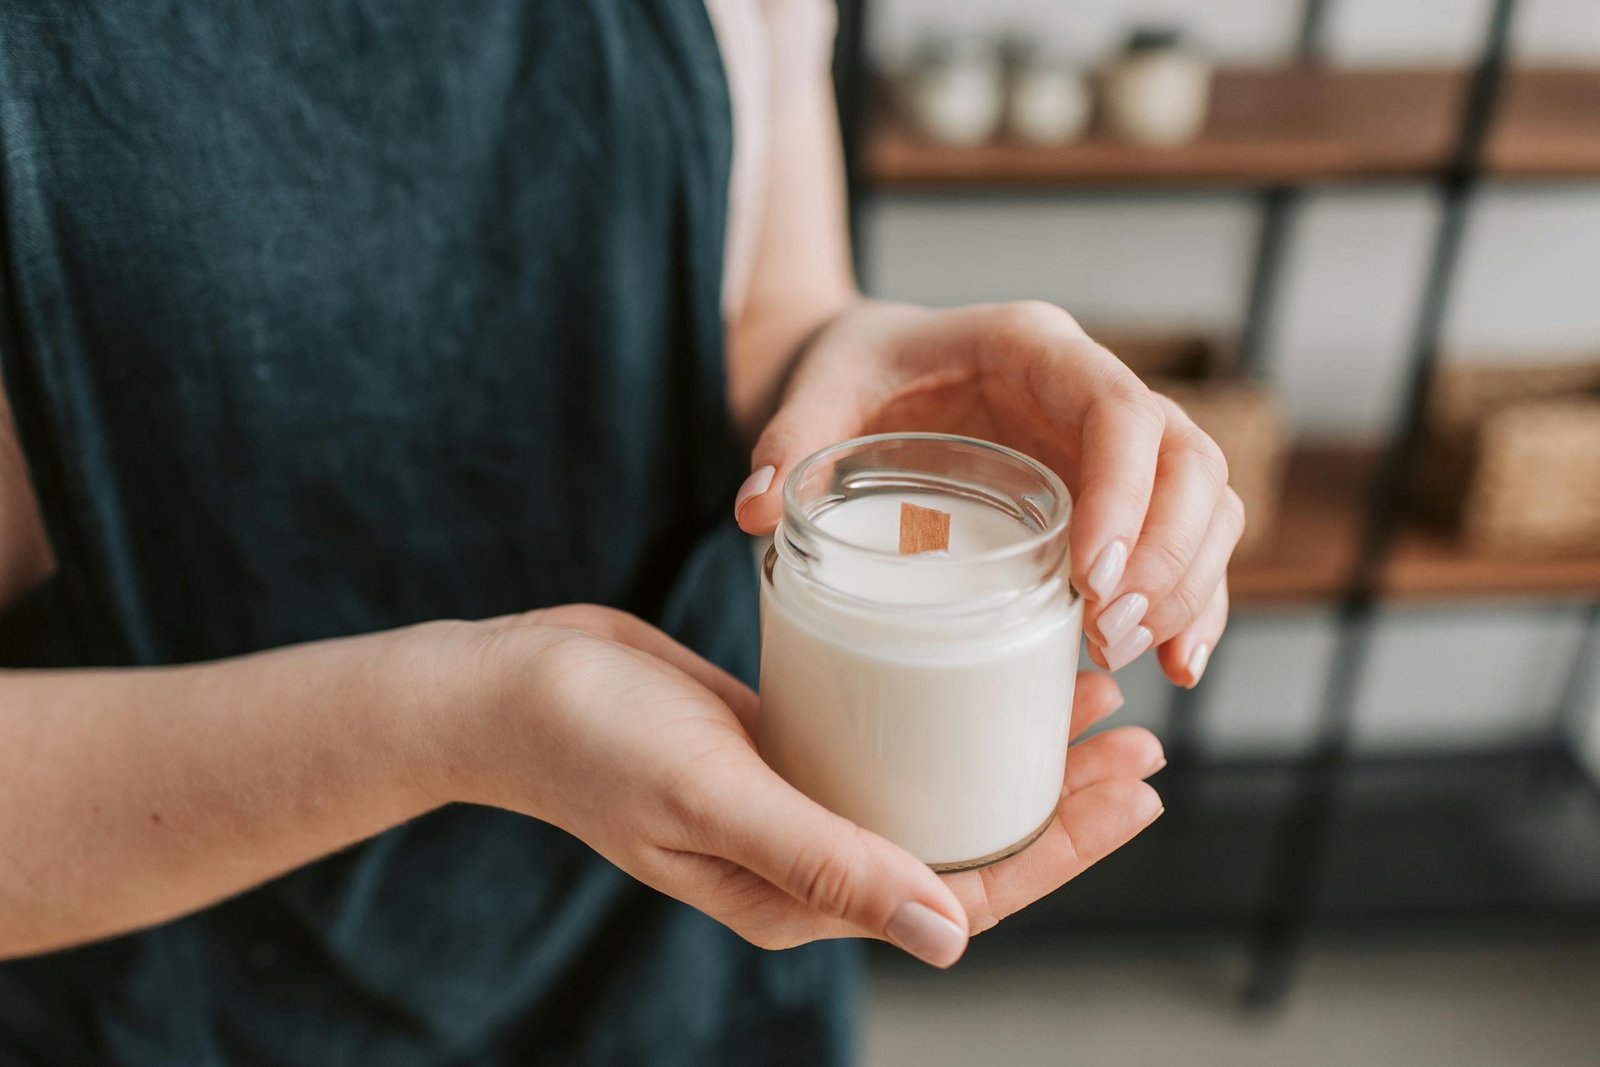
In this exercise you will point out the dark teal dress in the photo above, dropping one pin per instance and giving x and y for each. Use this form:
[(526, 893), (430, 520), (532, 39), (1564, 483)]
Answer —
[(325, 316)]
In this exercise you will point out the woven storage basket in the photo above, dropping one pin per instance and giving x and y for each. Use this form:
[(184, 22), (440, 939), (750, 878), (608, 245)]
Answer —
[(1512, 456), (1244, 419)]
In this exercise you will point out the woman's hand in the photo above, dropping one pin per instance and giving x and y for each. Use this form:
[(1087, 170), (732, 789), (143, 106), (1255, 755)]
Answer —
[(602, 725), (1154, 521)]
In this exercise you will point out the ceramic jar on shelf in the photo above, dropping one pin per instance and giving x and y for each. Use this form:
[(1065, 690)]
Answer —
[(954, 92), (1158, 91), (1049, 100)]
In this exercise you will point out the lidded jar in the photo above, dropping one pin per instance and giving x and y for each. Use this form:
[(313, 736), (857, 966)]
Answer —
[(926, 697)]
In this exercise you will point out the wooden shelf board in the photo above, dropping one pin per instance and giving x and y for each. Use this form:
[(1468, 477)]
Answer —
[(1549, 125), (1266, 125), (1312, 548), (1280, 125)]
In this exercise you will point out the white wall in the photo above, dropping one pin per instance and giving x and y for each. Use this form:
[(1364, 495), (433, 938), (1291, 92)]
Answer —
[(1529, 285)]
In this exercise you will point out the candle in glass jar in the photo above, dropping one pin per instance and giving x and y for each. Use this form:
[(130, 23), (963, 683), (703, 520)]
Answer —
[(925, 697)]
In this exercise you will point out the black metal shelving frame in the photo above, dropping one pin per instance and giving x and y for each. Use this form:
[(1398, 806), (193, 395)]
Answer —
[(1278, 930)]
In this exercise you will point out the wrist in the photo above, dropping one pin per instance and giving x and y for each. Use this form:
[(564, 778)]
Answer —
[(766, 346), (435, 684)]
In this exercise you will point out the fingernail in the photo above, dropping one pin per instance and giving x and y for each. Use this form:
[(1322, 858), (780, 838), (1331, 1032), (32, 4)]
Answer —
[(1107, 570), (1160, 763), (1119, 619), (1130, 649), (926, 934), (1197, 663), (759, 482)]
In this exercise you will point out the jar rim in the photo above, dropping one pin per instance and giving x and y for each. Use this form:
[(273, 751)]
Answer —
[(796, 518)]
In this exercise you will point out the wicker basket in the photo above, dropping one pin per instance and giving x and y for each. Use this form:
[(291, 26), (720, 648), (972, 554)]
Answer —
[(1244, 419), (1512, 456)]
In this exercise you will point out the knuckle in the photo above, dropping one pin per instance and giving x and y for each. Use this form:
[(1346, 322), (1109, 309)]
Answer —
[(1164, 562), (826, 877), (984, 916), (1035, 319), (1207, 456), (1126, 398), (691, 809), (1214, 458), (1234, 505), (1189, 599), (596, 619)]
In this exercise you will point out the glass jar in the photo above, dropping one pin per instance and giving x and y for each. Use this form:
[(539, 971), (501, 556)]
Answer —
[(924, 697)]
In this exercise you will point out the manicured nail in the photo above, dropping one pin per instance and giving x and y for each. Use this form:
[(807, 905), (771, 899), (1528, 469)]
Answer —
[(1131, 648), (1197, 663), (926, 934), (1107, 570), (759, 482), (1121, 616)]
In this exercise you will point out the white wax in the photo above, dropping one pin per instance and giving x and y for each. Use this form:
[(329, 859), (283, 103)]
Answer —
[(874, 522), (944, 732)]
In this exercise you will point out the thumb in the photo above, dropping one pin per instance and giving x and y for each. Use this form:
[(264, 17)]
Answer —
[(841, 871), (811, 417)]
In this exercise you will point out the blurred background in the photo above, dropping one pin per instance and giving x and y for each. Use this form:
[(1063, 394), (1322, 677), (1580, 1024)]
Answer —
[(1360, 241)]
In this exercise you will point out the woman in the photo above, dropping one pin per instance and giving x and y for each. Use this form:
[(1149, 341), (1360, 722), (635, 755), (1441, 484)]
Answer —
[(325, 322)]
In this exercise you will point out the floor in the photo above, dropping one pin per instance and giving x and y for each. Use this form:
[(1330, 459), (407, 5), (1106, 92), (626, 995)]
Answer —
[(1372, 1005)]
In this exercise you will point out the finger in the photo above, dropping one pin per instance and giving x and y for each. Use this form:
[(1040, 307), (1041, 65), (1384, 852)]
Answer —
[(1126, 752), (1191, 594), (1122, 433), (1094, 697), (838, 870), (1184, 658), (815, 413), (1114, 425), (1089, 826), (1190, 478), (750, 905)]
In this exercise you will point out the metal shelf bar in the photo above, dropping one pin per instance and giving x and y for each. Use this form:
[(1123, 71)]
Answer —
[(1281, 930)]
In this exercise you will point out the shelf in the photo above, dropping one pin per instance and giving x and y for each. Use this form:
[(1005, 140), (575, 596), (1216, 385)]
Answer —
[(1313, 543), (1287, 125), (1313, 546), (1549, 125)]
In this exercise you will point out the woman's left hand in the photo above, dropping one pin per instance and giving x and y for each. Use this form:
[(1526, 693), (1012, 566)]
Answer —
[(1154, 520)]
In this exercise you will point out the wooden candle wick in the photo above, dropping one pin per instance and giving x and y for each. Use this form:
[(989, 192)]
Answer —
[(923, 530)]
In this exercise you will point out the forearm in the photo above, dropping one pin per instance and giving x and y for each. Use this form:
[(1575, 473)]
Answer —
[(128, 797), (802, 277)]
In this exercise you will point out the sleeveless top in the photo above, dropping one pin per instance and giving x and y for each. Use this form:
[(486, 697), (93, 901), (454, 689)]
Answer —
[(321, 317)]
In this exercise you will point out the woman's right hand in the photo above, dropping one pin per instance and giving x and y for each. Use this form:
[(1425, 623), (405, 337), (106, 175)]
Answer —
[(600, 724)]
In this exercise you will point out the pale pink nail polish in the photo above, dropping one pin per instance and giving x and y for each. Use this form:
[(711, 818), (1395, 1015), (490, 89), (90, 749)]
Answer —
[(1107, 570), (1121, 616), (926, 934), (1197, 662), (759, 482), (1131, 648)]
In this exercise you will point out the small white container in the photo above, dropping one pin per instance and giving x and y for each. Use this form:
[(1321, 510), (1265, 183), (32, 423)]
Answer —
[(955, 96), (1157, 93), (1049, 104), (924, 697)]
